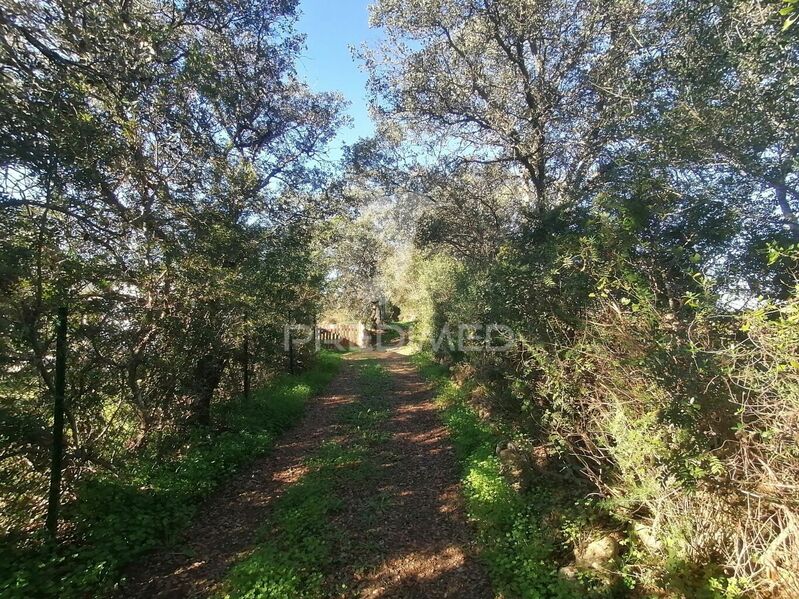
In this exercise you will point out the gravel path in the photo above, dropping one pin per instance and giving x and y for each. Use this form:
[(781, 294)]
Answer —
[(424, 544), (419, 547)]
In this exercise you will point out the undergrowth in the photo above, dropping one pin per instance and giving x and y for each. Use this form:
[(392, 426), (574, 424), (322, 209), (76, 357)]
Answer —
[(299, 543), (523, 538), (118, 517)]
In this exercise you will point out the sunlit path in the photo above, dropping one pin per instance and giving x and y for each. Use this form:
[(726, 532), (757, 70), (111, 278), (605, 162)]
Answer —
[(400, 528)]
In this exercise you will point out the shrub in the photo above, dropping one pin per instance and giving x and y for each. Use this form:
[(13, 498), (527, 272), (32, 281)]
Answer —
[(684, 417), (117, 517)]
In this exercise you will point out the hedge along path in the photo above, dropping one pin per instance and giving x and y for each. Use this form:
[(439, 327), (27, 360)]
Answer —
[(401, 530)]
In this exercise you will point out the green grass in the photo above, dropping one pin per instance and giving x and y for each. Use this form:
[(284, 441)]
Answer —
[(300, 542), (118, 518), (390, 336), (521, 536), (296, 544), (373, 380)]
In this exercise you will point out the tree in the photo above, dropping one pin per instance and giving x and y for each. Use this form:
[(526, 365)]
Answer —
[(355, 256), (608, 180), (160, 176), (527, 85), (716, 97)]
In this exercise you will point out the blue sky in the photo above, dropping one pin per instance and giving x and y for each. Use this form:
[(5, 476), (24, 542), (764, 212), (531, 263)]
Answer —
[(332, 26)]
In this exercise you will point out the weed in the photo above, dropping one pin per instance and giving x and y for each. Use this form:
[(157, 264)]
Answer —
[(520, 536), (298, 548), (116, 518)]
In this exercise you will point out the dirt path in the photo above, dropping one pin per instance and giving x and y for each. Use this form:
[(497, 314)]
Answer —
[(419, 546)]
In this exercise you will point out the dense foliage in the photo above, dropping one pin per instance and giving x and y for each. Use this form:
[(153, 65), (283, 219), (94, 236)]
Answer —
[(617, 184), (162, 182), (148, 498)]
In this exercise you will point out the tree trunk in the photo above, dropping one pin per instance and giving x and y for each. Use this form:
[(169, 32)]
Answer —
[(246, 366), (207, 375), (291, 353), (787, 212), (315, 335), (54, 496)]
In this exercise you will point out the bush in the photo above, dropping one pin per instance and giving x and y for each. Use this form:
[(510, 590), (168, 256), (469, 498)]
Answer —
[(523, 538), (117, 517), (683, 417)]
